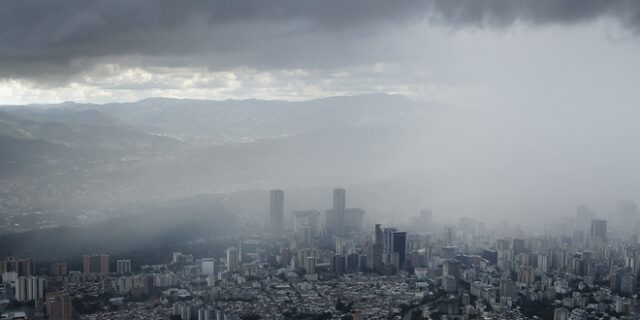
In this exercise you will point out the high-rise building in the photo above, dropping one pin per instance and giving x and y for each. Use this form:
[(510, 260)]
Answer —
[(182, 309), (577, 238), (208, 266), (59, 269), (96, 263), (561, 313), (9, 276), (58, 306), (276, 214), (338, 263), (490, 255), (400, 247), (362, 263), (202, 314), (342, 246), (177, 258), (448, 252), (310, 265), (451, 268), (285, 256), (306, 219), (527, 275), (233, 263), (23, 267), (352, 262), (123, 266), (518, 246), (35, 288), (29, 288), (387, 244), (339, 206), (507, 288), (306, 225), (88, 265), (304, 253), (378, 245), (20, 289), (449, 235), (449, 284), (389, 249), (104, 263), (598, 230)]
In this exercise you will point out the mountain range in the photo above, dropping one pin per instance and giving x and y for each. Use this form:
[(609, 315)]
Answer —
[(111, 154)]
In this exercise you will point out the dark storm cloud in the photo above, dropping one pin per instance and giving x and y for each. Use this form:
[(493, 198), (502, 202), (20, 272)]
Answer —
[(53, 39), (501, 13)]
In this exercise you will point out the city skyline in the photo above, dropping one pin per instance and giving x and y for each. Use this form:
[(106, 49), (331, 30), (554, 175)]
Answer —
[(319, 159), (467, 270)]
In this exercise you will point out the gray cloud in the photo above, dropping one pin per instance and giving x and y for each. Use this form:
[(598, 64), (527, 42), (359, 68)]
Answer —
[(51, 40), (501, 13)]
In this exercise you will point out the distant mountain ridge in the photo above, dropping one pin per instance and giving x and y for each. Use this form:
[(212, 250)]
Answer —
[(89, 129), (123, 153), (212, 121)]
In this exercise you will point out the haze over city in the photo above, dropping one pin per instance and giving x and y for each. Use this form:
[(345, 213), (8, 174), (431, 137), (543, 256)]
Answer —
[(157, 139)]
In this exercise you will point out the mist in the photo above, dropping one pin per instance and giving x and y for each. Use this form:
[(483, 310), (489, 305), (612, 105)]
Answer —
[(394, 155), (319, 159)]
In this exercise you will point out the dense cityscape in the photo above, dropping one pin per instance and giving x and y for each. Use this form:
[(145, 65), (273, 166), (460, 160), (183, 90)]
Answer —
[(319, 160), (334, 264)]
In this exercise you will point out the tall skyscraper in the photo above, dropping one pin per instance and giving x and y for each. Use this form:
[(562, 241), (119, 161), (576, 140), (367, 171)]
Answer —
[(518, 246), (97, 263), (393, 247), (29, 288), (23, 267), (310, 265), (59, 269), (306, 218), (276, 220), (451, 268), (104, 263), (387, 244), (561, 313), (378, 245), (352, 262), (208, 266), (338, 263), (58, 306), (339, 206), (123, 266), (400, 247), (449, 235), (233, 263), (304, 253), (87, 264), (598, 230), (20, 290)]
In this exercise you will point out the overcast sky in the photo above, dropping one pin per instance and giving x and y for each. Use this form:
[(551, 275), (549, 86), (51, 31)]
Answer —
[(465, 53)]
